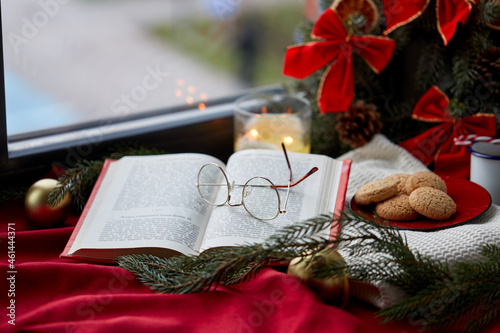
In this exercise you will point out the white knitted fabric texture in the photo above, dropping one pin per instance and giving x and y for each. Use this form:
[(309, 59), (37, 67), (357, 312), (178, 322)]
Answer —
[(380, 158)]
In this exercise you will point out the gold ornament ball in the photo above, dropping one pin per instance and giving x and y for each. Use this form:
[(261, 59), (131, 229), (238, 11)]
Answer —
[(39, 210), (334, 290)]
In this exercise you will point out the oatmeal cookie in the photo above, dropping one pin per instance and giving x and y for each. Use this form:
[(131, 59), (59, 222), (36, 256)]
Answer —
[(396, 208), (424, 179), (400, 179), (375, 191), (432, 203)]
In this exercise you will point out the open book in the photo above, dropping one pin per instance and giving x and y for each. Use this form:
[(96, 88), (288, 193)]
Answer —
[(151, 204)]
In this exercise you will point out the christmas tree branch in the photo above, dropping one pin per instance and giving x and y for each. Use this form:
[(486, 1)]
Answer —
[(226, 266), (467, 295), (77, 182)]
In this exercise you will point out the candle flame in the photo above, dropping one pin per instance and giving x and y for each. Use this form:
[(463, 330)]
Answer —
[(264, 109), (254, 133), (288, 140)]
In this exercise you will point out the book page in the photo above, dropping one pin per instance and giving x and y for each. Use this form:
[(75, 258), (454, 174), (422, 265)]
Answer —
[(148, 201), (317, 194)]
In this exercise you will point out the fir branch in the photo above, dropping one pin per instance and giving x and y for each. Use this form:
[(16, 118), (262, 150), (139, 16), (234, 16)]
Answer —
[(431, 64), (469, 297), (378, 252), (481, 41), (226, 266), (77, 182), (464, 77), (12, 193), (488, 11)]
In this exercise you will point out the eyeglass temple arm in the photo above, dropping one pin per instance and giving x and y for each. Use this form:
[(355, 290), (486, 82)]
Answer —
[(313, 170), (287, 163)]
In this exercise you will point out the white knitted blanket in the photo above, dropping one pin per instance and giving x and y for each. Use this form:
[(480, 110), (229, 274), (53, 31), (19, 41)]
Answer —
[(380, 158)]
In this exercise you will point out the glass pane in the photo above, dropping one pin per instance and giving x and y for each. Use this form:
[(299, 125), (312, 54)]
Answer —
[(212, 185), (72, 61), (261, 198)]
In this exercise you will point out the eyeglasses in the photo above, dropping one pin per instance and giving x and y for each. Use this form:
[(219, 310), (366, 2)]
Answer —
[(259, 195)]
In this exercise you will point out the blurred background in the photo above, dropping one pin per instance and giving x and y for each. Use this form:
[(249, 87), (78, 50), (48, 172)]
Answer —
[(72, 61)]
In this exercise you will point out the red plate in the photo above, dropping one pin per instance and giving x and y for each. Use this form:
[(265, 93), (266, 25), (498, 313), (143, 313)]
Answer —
[(472, 200)]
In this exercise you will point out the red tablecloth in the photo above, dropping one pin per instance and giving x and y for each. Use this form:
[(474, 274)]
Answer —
[(60, 295)]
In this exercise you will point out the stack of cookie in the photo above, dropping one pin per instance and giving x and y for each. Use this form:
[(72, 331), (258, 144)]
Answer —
[(405, 197)]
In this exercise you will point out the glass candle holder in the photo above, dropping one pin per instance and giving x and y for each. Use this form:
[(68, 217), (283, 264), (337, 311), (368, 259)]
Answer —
[(266, 121)]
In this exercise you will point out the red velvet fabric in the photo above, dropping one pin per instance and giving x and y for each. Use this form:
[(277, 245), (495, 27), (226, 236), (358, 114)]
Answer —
[(60, 295)]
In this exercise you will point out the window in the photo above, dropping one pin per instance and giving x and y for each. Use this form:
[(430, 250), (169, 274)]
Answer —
[(82, 73)]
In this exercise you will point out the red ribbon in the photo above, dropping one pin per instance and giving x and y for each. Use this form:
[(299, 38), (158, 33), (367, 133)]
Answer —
[(437, 144), (448, 13), (336, 90)]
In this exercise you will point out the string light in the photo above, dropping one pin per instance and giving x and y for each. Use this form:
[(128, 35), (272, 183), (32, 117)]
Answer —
[(188, 92)]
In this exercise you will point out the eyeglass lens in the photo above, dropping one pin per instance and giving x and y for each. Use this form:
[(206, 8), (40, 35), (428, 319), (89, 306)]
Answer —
[(212, 185), (261, 198)]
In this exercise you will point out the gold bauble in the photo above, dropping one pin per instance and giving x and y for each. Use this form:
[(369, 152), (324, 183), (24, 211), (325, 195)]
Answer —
[(334, 290), (39, 210)]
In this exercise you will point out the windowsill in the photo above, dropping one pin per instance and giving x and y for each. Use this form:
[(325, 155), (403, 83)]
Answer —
[(207, 131), (107, 130)]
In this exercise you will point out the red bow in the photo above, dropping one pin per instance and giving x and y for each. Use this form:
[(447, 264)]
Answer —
[(437, 144), (336, 89), (448, 13)]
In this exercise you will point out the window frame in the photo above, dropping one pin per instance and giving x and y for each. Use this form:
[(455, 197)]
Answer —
[(178, 129)]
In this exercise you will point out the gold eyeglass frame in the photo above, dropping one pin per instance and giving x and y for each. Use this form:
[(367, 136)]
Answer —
[(230, 187)]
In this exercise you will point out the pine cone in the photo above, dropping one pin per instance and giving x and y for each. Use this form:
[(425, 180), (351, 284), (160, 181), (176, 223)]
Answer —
[(488, 67), (359, 124)]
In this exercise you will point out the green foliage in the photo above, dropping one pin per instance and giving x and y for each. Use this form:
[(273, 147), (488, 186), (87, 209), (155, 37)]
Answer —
[(226, 266), (438, 295), (469, 298), (78, 182)]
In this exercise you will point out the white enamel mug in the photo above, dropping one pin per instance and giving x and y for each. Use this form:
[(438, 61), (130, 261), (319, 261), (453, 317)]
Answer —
[(485, 167)]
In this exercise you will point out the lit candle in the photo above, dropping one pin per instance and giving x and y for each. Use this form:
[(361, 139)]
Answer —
[(265, 128)]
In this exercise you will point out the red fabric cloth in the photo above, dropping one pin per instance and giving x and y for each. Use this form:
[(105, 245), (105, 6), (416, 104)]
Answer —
[(334, 44), (60, 295)]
